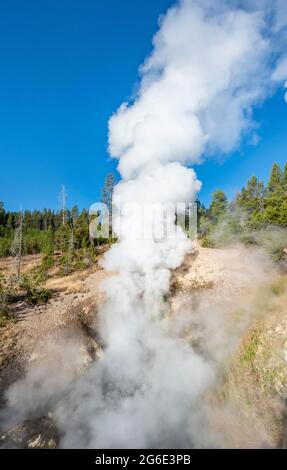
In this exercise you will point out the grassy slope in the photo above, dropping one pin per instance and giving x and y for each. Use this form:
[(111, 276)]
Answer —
[(255, 385)]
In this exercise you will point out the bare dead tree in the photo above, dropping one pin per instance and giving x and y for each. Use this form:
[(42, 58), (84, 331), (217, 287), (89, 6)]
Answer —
[(63, 201), (17, 246), (70, 251), (107, 198)]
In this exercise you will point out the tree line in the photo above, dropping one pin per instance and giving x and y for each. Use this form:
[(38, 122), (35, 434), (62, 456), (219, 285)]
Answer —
[(65, 231), (42, 228), (256, 207)]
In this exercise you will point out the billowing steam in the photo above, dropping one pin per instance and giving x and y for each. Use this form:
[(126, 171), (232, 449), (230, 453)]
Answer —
[(209, 65)]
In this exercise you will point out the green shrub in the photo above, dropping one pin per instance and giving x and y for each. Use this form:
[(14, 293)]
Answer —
[(278, 287), (206, 242), (7, 296), (250, 349), (31, 285), (39, 295)]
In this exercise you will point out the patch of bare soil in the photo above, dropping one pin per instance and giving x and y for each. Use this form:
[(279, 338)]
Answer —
[(37, 336), (27, 263)]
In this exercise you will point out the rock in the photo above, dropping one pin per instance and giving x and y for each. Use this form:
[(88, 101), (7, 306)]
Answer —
[(40, 433)]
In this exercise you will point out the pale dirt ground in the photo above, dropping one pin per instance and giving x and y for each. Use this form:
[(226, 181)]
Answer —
[(217, 298), (28, 262), (72, 310)]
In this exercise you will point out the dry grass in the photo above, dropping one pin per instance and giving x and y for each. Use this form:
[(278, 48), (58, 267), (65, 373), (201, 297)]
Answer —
[(74, 283), (68, 284), (28, 262), (71, 284)]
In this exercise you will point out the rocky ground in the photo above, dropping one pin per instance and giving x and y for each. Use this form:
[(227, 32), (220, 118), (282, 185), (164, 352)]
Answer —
[(37, 336), (230, 304)]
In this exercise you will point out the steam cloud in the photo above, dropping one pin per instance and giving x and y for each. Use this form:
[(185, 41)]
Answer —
[(212, 61)]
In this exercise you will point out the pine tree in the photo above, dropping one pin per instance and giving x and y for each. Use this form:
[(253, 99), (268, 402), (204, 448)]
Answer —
[(251, 201), (275, 198), (11, 220), (48, 250), (2, 214), (276, 178), (284, 178), (218, 205), (70, 251)]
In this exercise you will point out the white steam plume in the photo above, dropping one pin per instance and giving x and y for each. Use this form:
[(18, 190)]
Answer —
[(210, 64), (208, 67)]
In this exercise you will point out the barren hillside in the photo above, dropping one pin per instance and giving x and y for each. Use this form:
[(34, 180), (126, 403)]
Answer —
[(229, 304)]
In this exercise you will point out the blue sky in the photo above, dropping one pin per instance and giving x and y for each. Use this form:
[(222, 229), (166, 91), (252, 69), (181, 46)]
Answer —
[(65, 68)]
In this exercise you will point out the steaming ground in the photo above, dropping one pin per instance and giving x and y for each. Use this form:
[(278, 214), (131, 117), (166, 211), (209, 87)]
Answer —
[(219, 300), (211, 63)]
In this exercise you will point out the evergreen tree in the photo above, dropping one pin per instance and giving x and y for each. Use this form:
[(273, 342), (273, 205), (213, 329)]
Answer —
[(48, 250), (2, 214), (276, 178), (275, 198), (284, 179), (251, 201), (218, 206)]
